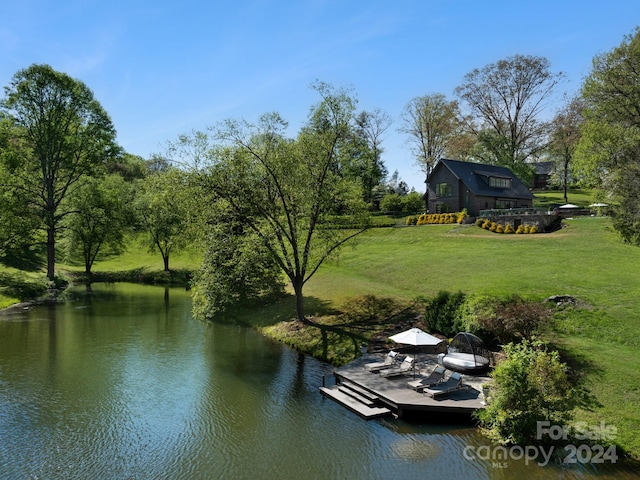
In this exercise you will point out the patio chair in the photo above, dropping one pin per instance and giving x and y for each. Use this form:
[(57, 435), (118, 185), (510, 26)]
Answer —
[(389, 361), (442, 389), (404, 367), (436, 375)]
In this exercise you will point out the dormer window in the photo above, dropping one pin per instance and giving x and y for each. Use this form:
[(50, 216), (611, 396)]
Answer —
[(499, 182)]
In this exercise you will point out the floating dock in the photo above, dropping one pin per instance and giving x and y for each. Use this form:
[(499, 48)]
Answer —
[(372, 395)]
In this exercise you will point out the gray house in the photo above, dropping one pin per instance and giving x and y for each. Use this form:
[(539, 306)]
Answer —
[(454, 185)]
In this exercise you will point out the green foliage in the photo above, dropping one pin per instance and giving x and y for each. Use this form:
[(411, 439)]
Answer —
[(441, 312), (236, 269), (102, 216), (531, 385), (499, 320), (608, 153), (412, 202), (392, 203), (287, 191), (59, 133), (162, 208)]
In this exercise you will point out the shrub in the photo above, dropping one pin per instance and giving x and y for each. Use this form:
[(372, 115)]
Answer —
[(533, 229), (391, 203), (441, 312), (531, 385), (499, 228), (412, 202), (462, 215), (508, 228), (502, 320), (520, 230), (513, 319), (479, 222)]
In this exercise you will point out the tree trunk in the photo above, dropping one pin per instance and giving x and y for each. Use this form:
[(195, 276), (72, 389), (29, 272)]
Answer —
[(426, 195), (165, 258), (564, 181), (51, 252), (297, 288)]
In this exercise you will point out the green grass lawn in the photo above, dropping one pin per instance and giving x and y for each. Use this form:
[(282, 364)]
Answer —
[(585, 259), (581, 198)]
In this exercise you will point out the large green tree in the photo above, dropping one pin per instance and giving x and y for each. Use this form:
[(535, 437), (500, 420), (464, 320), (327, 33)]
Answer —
[(506, 100), (103, 215), (162, 207), (432, 123), (608, 153), (370, 128), (63, 134), (289, 192)]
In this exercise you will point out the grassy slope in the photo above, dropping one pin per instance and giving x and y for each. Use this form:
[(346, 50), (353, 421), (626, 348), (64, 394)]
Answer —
[(585, 260)]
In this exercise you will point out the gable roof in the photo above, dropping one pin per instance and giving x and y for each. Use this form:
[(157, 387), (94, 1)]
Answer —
[(544, 168), (476, 176)]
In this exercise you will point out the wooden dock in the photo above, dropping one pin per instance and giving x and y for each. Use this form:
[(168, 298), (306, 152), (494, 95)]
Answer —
[(371, 395)]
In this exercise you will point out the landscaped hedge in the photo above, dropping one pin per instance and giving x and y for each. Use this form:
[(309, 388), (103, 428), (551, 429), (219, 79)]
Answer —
[(507, 228), (437, 218)]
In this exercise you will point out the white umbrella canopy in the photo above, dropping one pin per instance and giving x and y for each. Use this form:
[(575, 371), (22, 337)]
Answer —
[(416, 337), (569, 205)]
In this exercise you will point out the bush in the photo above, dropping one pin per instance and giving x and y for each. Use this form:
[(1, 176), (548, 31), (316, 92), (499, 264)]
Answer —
[(531, 385), (516, 319), (391, 203), (442, 311), (412, 202), (502, 320), (508, 228)]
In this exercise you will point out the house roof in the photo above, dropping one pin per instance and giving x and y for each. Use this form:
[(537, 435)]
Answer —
[(476, 176), (544, 168)]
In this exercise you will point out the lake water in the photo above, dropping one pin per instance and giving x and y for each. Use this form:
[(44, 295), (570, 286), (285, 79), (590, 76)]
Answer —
[(125, 384)]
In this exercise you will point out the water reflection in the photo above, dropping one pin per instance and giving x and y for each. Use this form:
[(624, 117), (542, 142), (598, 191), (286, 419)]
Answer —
[(121, 382)]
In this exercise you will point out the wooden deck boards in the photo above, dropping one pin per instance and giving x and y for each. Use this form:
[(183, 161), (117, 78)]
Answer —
[(399, 397)]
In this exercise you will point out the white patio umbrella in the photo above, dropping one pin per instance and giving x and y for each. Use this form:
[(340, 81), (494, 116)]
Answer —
[(416, 337), (569, 205)]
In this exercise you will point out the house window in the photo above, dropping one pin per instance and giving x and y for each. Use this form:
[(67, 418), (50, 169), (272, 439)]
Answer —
[(443, 190), (503, 203), (499, 182)]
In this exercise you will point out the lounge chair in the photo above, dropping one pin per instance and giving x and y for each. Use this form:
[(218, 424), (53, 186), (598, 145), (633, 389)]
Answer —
[(389, 361), (451, 384), (436, 375), (404, 367)]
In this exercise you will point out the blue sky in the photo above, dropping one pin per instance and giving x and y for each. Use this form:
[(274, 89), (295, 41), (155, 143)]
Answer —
[(163, 68)]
